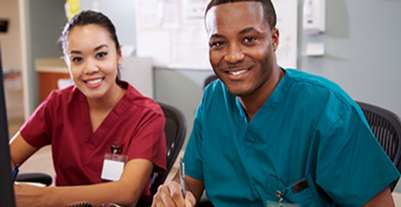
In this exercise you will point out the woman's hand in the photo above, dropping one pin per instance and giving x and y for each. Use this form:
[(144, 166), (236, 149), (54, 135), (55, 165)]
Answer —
[(29, 195)]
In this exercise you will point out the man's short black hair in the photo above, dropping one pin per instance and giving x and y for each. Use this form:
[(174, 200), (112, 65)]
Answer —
[(268, 9)]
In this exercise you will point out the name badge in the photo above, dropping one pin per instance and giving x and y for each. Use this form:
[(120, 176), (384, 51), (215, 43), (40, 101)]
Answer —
[(113, 166)]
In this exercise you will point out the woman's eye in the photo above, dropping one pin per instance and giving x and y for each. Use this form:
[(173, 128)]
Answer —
[(101, 54), (76, 59)]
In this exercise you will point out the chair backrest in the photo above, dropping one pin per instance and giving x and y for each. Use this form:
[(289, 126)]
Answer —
[(208, 80), (175, 130), (386, 126)]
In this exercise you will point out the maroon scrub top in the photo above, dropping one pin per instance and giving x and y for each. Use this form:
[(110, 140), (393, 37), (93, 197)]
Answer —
[(136, 124)]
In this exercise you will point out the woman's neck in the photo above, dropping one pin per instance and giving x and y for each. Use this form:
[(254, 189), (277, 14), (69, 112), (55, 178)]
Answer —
[(108, 101)]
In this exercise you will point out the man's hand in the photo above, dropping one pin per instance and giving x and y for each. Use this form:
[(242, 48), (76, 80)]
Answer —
[(170, 195)]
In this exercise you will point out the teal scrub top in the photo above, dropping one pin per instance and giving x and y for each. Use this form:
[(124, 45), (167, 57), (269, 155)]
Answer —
[(309, 130)]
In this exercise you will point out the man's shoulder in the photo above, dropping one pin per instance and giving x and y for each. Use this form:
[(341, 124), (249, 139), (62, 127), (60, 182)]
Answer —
[(309, 78), (316, 83), (314, 89), (217, 92)]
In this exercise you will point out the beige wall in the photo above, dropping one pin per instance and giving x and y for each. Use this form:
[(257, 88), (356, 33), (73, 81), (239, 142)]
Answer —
[(12, 58), (11, 41)]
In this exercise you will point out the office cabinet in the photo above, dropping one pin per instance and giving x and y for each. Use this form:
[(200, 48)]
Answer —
[(49, 73)]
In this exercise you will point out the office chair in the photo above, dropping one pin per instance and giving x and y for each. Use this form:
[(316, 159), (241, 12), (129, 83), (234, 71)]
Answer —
[(209, 79), (386, 126), (204, 200), (175, 130), (35, 177)]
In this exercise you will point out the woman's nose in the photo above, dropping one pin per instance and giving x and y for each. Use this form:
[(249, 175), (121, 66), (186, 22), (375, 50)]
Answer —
[(91, 66)]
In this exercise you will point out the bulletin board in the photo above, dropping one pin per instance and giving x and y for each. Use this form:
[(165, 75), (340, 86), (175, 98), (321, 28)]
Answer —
[(172, 33)]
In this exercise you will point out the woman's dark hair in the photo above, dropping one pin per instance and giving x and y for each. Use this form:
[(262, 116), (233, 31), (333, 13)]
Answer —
[(268, 9), (90, 17)]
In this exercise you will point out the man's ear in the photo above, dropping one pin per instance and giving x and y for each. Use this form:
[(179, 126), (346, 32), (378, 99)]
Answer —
[(275, 39)]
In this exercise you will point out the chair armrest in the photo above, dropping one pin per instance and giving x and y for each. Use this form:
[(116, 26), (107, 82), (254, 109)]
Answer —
[(35, 177)]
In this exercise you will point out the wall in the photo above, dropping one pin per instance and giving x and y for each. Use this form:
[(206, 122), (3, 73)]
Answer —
[(362, 50), (43, 20), (10, 42), (121, 13), (182, 88)]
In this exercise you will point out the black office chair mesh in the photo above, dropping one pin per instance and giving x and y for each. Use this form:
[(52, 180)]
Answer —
[(386, 126), (175, 130), (35, 177), (208, 80)]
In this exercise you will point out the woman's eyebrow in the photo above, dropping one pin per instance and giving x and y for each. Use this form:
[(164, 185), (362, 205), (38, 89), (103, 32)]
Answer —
[(100, 46)]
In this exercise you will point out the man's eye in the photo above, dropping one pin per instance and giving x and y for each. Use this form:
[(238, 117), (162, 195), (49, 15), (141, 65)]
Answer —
[(101, 54), (217, 44), (249, 39), (76, 59)]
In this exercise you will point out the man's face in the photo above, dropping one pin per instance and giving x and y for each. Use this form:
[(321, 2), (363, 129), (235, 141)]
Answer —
[(241, 46)]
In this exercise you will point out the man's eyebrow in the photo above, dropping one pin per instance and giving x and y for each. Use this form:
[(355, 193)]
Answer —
[(248, 29), (244, 31), (216, 36)]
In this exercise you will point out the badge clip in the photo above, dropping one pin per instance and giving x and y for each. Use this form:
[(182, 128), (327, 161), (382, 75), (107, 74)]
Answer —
[(115, 149)]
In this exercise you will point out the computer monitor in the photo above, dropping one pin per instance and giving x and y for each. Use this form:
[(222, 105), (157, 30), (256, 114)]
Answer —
[(6, 184)]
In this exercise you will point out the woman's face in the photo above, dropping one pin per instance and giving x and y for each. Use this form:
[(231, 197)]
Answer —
[(92, 59)]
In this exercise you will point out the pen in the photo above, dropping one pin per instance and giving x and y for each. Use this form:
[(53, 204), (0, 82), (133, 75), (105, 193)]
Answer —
[(182, 176), (15, 172)]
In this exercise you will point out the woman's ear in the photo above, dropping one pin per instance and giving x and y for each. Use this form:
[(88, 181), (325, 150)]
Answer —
[(119, 56)]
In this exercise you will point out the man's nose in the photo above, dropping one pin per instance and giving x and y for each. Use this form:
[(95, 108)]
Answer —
[(234, 54)]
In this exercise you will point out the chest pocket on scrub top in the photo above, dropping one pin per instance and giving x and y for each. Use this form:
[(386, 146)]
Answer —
[(303, 192)]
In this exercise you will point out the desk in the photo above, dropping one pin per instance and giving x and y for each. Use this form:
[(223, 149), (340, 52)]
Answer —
[(49, 72)]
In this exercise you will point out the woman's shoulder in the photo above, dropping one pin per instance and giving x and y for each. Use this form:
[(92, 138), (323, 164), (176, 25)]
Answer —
[(138, 100), (64, 94)]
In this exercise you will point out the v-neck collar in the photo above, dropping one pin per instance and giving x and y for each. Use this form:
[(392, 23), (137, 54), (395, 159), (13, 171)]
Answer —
[(96, 137), (252, 129)]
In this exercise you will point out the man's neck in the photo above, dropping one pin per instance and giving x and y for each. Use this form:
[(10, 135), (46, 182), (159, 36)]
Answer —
[(253, 102)]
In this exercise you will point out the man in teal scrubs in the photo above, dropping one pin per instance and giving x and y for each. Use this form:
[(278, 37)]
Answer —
[(264, 133)]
